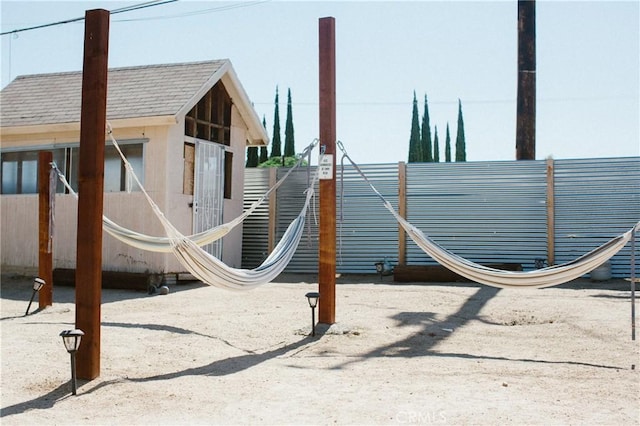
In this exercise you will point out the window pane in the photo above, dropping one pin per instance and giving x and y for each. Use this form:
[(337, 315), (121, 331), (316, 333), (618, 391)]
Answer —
[(73, 174), (9, 174), (20, 169), (30, 173), (59, 158), (20, 172), (115, 174), (134, 155), (112, 170)]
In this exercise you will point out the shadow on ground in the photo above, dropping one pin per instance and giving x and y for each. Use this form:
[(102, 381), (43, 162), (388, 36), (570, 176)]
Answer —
[(20, 287), (422, 343)]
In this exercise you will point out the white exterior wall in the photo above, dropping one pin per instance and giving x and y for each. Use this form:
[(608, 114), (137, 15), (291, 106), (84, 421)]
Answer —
[(163, 156), (232, 243), (19, 222), (19, 232), (132, 210)]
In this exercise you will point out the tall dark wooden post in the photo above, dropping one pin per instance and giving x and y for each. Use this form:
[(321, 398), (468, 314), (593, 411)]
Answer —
[(45, 240), (327, 226), (90, 191), (526, 108)]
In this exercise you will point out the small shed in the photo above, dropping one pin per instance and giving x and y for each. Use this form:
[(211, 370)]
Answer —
[(184, 127)]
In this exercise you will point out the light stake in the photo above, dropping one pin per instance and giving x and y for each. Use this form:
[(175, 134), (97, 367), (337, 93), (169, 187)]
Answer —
[(71, 340), (312, 298), (38, 283)]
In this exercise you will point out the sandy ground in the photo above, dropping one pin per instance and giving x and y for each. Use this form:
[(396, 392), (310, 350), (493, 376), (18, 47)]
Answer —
[(398, 354)]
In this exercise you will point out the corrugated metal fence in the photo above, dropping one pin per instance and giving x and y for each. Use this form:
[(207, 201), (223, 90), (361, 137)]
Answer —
[(487, 212)]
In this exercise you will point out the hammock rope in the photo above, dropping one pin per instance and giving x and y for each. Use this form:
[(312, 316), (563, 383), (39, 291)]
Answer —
[(162, 244), (201, 264), (211, 270), (539, 278)]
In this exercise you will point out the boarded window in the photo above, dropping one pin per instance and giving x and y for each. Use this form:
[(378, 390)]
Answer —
[(189, 168)]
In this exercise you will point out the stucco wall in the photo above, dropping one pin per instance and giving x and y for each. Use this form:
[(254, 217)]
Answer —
[(163, 156), (20, 212), (232, 243)]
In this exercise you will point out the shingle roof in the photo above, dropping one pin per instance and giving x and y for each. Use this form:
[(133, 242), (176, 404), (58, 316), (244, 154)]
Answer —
[(133, 92)]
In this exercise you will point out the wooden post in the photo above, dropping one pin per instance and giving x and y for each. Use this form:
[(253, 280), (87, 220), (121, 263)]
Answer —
[(273, 212), (526, 102), (90, 191), (632, 278), (45, 239), (402, 211), (327, 226), (551, 213)]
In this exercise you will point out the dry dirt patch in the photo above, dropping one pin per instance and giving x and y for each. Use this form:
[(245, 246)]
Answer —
[(399, 354)]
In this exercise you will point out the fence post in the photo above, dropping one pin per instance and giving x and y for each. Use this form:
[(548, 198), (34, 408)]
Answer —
[(273, 204), (551, 207), (402, 210)]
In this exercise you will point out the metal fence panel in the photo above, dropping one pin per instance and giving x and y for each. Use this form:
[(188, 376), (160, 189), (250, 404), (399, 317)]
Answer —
[(596, 199), (367, 232), (291, 196), (255, 229), (487, 212)]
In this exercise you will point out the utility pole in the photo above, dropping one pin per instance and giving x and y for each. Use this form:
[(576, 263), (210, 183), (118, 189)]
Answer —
[(526, 104)]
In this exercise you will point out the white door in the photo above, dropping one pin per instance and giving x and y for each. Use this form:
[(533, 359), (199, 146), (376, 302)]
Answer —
[(208, 190)]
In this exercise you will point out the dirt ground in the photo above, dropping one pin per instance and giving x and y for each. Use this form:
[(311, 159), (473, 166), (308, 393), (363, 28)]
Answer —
[(444, 353)]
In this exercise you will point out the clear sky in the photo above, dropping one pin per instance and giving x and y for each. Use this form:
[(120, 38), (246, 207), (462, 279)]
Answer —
[(588, 65)]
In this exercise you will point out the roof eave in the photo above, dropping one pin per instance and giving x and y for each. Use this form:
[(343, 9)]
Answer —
[(257, 133), (161, 120)]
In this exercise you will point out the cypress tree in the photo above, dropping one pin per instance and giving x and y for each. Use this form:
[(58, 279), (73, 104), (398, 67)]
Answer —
[(461, 149), (289, 143), (275, 144), (263, 149), (414, 140), (252, 156), (436, 146), (425, 140), (447, 146)]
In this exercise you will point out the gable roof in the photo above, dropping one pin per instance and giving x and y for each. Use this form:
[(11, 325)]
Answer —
[(168, 90)]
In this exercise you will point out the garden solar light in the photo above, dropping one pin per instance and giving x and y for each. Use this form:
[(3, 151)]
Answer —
[(383, 268), (71, 340), (38, 283), (312, 298)]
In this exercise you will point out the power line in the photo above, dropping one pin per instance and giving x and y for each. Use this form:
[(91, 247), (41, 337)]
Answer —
[(141, 6), (116, 11), (197, 12)]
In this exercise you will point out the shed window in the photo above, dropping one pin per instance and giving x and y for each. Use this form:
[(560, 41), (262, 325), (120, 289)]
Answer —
[(116, 176), (20, 172), (20, 169)]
